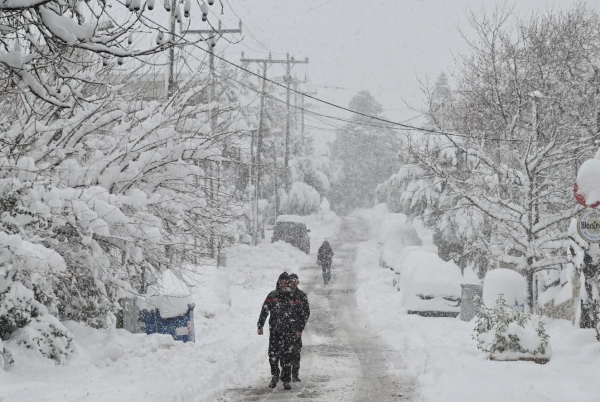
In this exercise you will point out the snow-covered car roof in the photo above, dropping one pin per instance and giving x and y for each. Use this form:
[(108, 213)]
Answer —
[(290, 219), (433, 285), (431, 275)]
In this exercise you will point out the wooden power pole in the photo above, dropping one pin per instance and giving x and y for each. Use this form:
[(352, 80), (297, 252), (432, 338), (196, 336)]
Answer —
[(212, 42), (265, 64), (289, 61)]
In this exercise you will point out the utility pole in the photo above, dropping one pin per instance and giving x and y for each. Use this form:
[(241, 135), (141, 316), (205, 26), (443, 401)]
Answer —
[(259, 141), (171, 84), (289, 61), (265, 63), (302, 108), (295, 83), (211, 60), (212, 42)]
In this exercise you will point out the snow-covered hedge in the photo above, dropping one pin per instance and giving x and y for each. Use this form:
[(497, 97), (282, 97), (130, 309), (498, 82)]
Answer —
[(506, 333)]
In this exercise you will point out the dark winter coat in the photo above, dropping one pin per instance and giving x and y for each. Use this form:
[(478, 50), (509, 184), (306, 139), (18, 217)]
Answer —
[(325, 254), (278, 305), (301, 310), (289, 311)]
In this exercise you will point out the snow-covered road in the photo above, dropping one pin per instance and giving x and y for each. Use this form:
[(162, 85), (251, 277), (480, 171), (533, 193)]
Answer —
[(342, 359)]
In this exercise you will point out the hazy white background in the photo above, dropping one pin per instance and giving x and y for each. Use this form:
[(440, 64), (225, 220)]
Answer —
[(379, 45)]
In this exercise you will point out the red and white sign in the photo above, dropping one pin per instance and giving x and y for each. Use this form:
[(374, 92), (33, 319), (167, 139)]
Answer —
[(587, 186)]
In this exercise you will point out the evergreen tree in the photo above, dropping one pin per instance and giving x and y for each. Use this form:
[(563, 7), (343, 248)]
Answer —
[(363, 155)]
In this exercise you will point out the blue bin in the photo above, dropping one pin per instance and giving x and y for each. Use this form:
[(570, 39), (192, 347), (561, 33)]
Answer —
[(181, 327)]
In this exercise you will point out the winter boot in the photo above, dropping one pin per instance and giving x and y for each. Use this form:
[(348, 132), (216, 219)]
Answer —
[(287, 386), (274, 382), (296, 379)]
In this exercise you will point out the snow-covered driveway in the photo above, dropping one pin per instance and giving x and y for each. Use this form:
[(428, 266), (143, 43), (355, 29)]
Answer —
[(342, 359)]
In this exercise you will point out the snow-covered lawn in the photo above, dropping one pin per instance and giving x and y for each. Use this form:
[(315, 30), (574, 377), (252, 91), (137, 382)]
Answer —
[(442, 358), (114, 365)]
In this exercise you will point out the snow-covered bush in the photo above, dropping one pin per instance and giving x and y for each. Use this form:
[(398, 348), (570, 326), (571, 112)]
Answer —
[(314, 171), (506, 333), (46, 336), (302, 200)]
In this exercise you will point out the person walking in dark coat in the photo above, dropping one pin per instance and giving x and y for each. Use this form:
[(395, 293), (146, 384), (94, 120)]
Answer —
[(281, 331), (324, 258), (300, 314)]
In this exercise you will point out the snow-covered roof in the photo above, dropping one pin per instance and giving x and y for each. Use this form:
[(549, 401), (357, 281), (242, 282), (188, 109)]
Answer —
[(290, 218)]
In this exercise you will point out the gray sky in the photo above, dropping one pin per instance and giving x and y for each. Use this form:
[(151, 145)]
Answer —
[(379, 45)]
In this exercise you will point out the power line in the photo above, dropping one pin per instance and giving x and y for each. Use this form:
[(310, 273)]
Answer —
[(393, 123), (251, 34), (404, 126)]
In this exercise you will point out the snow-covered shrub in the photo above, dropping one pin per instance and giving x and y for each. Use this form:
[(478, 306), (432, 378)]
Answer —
[(28, 273), (506, 333), (17, 308), (46, 336), (302, 200), (314, 171)]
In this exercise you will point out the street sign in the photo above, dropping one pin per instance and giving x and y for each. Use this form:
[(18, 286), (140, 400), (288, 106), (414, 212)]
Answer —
[(588, 225)]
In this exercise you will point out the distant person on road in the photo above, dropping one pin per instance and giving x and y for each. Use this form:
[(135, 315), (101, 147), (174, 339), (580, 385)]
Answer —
[(281, 331), (324, 258), (300, 314)]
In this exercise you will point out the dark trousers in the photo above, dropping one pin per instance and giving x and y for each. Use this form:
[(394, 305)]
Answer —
[(281, 348), (297, 348), (326, 266)]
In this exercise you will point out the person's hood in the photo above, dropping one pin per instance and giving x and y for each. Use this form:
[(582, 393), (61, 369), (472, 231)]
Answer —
[(284, 275)]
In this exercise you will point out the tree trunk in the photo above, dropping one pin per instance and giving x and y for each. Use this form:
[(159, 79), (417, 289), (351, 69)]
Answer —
[(588, 312), (530, 293)]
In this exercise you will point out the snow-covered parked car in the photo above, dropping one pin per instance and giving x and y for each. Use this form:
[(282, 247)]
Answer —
[(431, 287), (292, 229), (392, 241)]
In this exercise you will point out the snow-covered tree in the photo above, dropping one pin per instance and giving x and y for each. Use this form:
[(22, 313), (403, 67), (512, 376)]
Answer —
[(99, 198), (48, 46), (363, 155), (521, 116)]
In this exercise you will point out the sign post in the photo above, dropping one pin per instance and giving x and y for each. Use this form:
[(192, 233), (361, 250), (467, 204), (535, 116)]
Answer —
[(588, 225)]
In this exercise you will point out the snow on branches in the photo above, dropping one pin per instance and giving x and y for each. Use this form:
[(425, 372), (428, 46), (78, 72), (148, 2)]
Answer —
[(53, 49), (515, 133), (98, 200)]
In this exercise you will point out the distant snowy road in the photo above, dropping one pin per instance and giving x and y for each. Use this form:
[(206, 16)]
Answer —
[(342, 359)]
